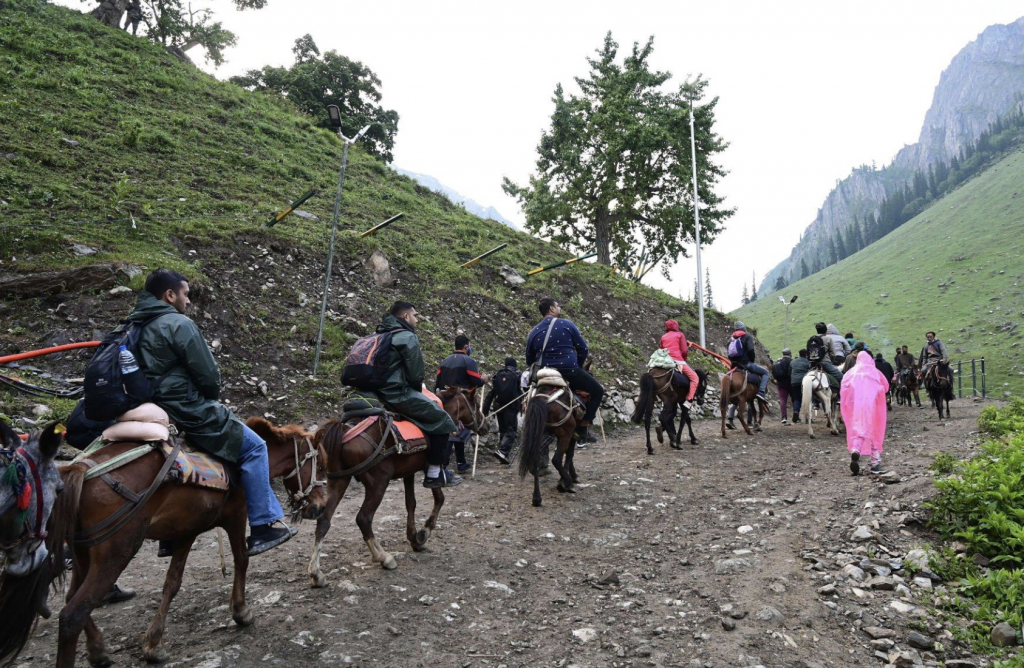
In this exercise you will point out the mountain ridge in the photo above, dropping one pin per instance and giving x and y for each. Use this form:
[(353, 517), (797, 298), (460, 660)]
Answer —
[(471, 205)]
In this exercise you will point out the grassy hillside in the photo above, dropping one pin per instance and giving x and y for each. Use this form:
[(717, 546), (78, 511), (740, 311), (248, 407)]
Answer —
[(957, 268), (107, 141)]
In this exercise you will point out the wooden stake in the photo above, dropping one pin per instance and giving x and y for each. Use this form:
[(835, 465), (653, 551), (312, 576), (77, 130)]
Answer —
[(476, 443), (220, 548)]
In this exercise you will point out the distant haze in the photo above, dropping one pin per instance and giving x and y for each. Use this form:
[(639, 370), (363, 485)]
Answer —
[(808, 89), (488, 212)]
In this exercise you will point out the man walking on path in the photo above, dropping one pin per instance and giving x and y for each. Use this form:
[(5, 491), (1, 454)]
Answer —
[(781, 372), (798, 368), (505, 395), (460, 370), (864, 413)]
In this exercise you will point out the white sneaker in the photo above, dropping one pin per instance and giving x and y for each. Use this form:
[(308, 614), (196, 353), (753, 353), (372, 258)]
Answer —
[(785, 422), (687, 405)]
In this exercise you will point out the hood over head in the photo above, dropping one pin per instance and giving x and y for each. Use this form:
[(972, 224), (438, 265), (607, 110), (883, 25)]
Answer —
[(671, 326), (831, 329)]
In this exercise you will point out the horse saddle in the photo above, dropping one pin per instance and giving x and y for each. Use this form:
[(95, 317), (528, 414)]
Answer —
[(367, 406), (150, 425), (679, 379)]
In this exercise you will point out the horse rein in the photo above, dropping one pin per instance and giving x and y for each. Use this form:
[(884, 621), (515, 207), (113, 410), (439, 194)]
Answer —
[(23, 493), (476, 423), (301, 497)]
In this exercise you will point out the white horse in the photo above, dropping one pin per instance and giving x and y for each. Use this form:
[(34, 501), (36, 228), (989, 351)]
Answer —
[(815, 386)]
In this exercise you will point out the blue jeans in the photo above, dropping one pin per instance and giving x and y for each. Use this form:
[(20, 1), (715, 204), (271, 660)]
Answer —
[(760, 371), (260, 499)]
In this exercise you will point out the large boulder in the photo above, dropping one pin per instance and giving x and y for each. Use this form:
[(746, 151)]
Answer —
[(379, 268)]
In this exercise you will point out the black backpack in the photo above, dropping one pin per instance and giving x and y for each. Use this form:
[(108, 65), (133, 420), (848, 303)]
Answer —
[(781, 370), (366, 367), (506, 385), (816, 351), (106, 395)]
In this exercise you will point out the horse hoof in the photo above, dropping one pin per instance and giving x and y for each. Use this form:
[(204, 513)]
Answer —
[(562, 488), (658, 431), (694, 441), (575, 479), (156, 655), (536, 503), (650, 451), (318, 580), (243, 618), (389, 563), (419, 540), (102, 661), (677, 446)]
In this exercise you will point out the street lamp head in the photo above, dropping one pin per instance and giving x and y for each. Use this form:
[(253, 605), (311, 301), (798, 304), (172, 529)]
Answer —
[(793, 299), (334, 116), (782, 299), (360, 133)]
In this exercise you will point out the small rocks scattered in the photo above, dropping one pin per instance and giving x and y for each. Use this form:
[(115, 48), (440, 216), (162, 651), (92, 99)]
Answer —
[(121, 290), (920, 641), (861, 534), (1004, 635), (585, 634)]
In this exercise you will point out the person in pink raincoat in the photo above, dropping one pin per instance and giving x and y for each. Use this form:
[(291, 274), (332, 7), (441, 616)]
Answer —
[(674, 341), (864, 412)]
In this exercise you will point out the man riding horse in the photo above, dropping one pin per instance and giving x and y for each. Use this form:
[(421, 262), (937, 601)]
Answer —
[(906, 370), (557, 343), (934, 351), (745, 359)]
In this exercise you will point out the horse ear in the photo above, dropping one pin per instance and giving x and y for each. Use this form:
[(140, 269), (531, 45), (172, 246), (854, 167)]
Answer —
[(50, 439)]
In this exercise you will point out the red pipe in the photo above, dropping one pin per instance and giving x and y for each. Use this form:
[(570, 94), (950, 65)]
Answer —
[(721, 359), (47, 351)]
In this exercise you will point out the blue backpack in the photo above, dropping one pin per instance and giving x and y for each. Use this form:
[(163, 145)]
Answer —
[(736, 351)]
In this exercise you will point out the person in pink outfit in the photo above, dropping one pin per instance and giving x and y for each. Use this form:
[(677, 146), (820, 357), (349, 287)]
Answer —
[(864, 412), (674, 341)]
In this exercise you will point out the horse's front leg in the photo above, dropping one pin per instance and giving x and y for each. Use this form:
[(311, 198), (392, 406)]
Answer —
[(233, 522), (375, 486), (152, 645), (335, 493)]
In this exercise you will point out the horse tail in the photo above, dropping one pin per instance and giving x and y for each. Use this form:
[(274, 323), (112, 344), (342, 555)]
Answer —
[(532, 441), (23, 599), (645, 405)]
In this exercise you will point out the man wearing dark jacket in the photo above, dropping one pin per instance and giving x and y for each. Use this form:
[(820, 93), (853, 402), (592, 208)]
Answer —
[(505, 392), (174, 356), (798, 369), (887, 371), (460, 370), (401, 392), (747, 359), (566, 351), (780, 371)]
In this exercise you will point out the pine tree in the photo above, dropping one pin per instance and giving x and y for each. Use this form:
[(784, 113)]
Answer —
[(804, 270), (833, 254), (753, 287), (840, 246), (708, 301), (746, 296), (696, 291), (781, 283)]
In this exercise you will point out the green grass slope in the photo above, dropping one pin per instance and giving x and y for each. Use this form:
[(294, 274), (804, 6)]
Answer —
[(957, 268), (108, 141)]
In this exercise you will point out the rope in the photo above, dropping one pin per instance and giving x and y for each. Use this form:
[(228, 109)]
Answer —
[(48, 351)]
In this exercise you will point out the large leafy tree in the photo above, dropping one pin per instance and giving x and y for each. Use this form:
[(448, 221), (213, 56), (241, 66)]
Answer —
[(316, 80), (178, 25), (613, 170)]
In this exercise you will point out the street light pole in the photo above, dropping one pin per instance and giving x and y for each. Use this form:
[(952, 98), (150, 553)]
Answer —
[(785, 338), (335, 118), (696, 227)]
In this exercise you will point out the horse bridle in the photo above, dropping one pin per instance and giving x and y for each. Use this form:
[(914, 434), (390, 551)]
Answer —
[(300, 499), (23, 493), (476, 423)]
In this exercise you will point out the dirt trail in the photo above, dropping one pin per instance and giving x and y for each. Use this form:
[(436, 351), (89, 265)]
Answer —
[(639, 568)]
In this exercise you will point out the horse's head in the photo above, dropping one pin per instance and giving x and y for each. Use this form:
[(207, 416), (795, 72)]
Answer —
[(29, 483), (303, 464), (462, 405)]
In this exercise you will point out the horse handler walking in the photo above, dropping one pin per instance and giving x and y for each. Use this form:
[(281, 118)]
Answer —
[(864, 412)]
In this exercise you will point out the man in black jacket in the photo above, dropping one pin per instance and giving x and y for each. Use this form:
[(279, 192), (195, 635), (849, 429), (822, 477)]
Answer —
[(780, 370), (505, 393), (887, 371), (460, 370)]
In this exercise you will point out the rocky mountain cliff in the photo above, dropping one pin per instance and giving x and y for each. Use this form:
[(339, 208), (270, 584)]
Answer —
[(980, 85)]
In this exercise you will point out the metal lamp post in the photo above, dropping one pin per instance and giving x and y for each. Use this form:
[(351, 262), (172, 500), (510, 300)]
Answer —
[(334, 113), (785, 338), (696, 228)]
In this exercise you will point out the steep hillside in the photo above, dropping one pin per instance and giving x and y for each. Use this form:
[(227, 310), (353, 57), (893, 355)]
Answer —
[(981, 84), (114, 154), (956, 269)]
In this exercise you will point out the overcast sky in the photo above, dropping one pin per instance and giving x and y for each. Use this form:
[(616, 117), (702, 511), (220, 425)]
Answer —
[(807, 90)]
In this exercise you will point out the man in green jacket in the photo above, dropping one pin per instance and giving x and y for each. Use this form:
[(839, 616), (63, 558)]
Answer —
[(174, 355), (402, 393)]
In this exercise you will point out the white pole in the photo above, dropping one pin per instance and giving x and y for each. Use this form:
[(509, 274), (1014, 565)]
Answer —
[(696, 228)]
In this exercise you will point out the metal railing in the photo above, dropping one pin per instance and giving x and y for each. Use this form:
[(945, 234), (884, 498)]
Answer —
[(977, 378)]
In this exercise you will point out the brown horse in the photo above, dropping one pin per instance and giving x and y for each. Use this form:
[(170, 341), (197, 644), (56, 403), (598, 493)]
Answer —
[(737, 390), (549, 412), (907, 385), (373, 459), (657, 382), (178, 513), (938, 383)]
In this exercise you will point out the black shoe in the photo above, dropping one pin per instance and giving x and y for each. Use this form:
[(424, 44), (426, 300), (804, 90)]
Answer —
[(591, 438), (877, 469), (855, 463), (502, 456), (729, 424), (444, 479), (268, 536), (463, 467), (118, 594), (165, 549)]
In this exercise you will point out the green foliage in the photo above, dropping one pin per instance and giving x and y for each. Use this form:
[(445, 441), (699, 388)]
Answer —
[(315, 81), (998, 422), (944, 463), (615, 165)]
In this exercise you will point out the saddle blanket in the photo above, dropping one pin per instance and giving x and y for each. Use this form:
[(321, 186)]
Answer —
[(405, 432), (679, 379), (200, 469)]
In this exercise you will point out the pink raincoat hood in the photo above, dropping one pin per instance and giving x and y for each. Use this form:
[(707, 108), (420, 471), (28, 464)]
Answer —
[(863, 405), (671, 326)]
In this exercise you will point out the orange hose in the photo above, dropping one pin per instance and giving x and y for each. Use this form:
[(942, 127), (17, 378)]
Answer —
[(47, 351), (723, 360)]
